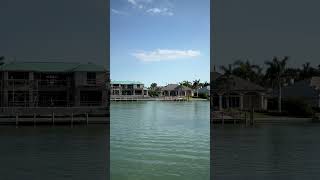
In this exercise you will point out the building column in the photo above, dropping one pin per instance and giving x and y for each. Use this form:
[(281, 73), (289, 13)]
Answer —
[(220, 103), (31, 85), (228, 101), (185, 93), (241, 101), (77, 97), (262, 101), (104, 98)]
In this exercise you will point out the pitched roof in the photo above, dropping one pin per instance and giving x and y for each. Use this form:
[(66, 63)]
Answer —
[(170, 87), (235, 84), (51, 67), (173, 87), (126, 82)]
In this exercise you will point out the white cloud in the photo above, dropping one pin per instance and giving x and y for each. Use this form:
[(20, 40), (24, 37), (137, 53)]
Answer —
[(165, 54), (158, 11), (118, 12), (133, 2)]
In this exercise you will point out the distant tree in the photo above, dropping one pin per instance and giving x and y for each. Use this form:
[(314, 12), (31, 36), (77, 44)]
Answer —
[(227, 70), (196, 85), (246, 70), (292, 74), (1, 60), (153, 85), (205, 84), (154, 90), (275, 74), (186, 84), (307, 71)]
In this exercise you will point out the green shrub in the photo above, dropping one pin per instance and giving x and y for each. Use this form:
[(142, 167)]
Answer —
[(203, 96), (297, 107)]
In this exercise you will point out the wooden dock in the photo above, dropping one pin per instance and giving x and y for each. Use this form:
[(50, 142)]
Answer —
[(220, 117), (53, 115)]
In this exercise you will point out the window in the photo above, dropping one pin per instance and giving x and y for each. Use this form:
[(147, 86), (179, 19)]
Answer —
[(91, 78)]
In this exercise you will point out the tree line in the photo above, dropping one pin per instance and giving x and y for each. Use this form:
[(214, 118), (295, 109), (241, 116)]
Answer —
[(155, 90), (275, 75), (277, 71)]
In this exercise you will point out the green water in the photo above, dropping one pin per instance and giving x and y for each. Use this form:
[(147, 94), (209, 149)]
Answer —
[(160, 141)]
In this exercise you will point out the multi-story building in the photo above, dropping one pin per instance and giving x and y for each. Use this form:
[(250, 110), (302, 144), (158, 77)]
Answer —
[(128, 88), (53, 84)]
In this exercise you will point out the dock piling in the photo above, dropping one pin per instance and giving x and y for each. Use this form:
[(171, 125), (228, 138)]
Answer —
[(87, 118), (34, 119), (72, 119), (52, 118), (17, 120)]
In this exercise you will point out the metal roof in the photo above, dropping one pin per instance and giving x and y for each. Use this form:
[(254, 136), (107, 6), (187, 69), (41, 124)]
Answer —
[(126, 82), (51, 67)]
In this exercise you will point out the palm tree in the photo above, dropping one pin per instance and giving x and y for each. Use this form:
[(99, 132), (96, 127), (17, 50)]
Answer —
[(1, 60), (227, 70), (276, 74), (196, 85), (186, 84), (154, 90), (246, 70), (307, 71)]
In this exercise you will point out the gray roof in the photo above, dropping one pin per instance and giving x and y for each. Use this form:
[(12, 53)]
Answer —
[(170, 87), (173, 87), (235, 84)]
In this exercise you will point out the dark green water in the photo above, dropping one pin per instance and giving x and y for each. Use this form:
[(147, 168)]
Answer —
[(54, 153), (266, 152), (160, 141)]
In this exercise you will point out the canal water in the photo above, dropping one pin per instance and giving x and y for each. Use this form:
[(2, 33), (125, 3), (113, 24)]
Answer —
[(265, 152), (51, 153), (156, 140)]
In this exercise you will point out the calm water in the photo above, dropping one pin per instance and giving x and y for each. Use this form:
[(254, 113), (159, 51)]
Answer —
[(160, 141), (268, 152), (53, 153)]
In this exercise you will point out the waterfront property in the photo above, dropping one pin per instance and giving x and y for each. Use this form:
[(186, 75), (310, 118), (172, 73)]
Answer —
[(49, 87), (52, 84), (307, 90), (204, 91), (176, 90), (229, 91), (128, 88)]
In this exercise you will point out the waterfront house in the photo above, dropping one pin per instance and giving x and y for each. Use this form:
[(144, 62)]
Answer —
[(176, 90), (234, 92), (128, 88), (53, 84), (204, 91), (308, 90)]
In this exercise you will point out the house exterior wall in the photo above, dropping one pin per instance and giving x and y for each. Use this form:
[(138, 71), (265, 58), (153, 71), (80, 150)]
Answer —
[(38, 88), (129, 89)]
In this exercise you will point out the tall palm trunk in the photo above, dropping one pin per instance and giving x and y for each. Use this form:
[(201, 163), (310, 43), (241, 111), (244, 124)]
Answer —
[(279, 98)]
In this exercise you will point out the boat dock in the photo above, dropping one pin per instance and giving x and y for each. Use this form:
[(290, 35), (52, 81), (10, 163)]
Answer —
[(220, 117), (53, 115)]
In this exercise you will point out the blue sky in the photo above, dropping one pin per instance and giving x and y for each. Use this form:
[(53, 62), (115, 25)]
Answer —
[(162, 41)]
